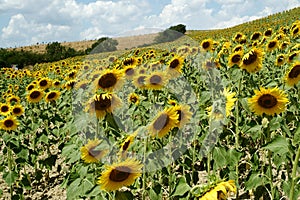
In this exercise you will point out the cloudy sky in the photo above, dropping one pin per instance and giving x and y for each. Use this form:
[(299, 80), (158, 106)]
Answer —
[(26, 22)]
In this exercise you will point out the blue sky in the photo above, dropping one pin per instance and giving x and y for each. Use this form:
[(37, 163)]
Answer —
[(27, 22)]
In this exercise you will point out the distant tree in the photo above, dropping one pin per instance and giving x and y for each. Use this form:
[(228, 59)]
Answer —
[(170, 34), (103, 44)]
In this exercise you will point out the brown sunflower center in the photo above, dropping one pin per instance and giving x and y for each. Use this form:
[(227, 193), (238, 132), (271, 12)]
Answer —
[(4, 108), (30, 87), (52, 95), (267, 101), (255, 36), (238, 49), (174, 63), (43, 83), (126, 145), (133, 99), (8, 123), (236, 58), (35, 94), (272, 44), (129, 61), (161, 122), (129, 71), (141, 80), (17, 110), (291, 57), (251, 59), (107, 80), (94, 152), (295, 31), (119, 174), (56, 83), (13, 100), (294, 73), (280, 59), (102, 104), (268, 33), (155, 80), (205, 45)]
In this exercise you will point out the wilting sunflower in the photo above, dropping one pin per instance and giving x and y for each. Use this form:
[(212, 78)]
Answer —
[(9, 123), (126, 144), (35, 95), (280, 59), (252, 61), (207, 44), (52, 96), (92, 152), (220, 192), (133, 98), (44, 83), (269, 101), (184, 115), (156, 81), (120, 174), (272, 44), (5, 109), (293, 75), (17, 110), (102, 104), (235, 58), (13, 99), (175, 65), (164, 122), (109, 80)]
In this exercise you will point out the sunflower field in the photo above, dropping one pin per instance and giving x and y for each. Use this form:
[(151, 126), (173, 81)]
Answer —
[(206, 117)]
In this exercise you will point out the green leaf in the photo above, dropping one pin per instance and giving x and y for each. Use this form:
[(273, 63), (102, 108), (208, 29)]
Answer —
[(72, 190), (181, 187), (296, 139), (95, 192), (24, 153), (254, 181), (219, 156), (43, 138), (10, 177), (86, 185), (124, 195), (279, 145)]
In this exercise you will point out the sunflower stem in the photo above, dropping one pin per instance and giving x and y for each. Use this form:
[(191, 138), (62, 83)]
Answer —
[(9, 157), (268, 133), (294, 172), (144, 174)]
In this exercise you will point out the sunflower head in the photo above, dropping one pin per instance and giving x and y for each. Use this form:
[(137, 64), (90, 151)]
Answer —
[(156, 81), (133, 98), (219, 190), (235, 58), (207, 44), (272, 44), (44, 83), (5, 109), (293, 75), (109, 80), (252, 61), (52, 96), (280, 59), (35, 95), (92, 152), (17, 110), (184, 115), (269, 101), (126, 144), (9, 123), (120, 174)]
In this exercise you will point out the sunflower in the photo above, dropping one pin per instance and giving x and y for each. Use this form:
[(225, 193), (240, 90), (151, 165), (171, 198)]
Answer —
[(102, 104), (17, 110), (164, 122), (272, 44), (175, 65), (283, 45), (52, 96), (134, 98), (30, 87), (235, 58), (252, 61), (255, 36), (268, 32), (184, 114), (91, 152), (268, 101), (292, 55), (9, 123), (44, 83), (156, 81), (13, 99), (172, 102), (129, 71), (230, 100), (120, 174), (207, 44), (140, 81), (35, 95), (126, 144), (293, 75), (130, 61), (70, 84), (280, 59), (5, 109), (238, 36), (220, 191), (109, 80)]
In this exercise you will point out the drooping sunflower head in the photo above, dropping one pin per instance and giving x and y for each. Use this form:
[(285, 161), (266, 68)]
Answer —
[(52, 96), (207, 44), (269, 101), (5, 109), (120, 174), (17, 110), (164, 122), (220, 191), (9, 123), (184, 115), (252, 61), (35, 95), (109, 80), (92, 152), (292, 77)]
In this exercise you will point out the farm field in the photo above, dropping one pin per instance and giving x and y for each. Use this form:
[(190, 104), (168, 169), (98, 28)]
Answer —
[(213, 115)]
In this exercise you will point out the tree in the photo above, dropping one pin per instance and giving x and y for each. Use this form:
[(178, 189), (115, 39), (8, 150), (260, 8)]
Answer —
[(171, 34), (103, 44)]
